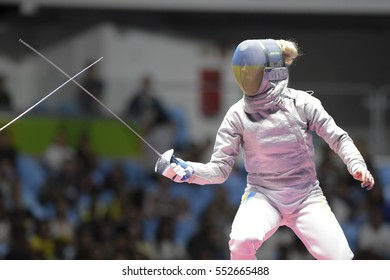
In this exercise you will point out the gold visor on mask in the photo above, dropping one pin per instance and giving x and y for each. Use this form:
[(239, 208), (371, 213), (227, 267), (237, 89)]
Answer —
[(248, 78), (257, 63)]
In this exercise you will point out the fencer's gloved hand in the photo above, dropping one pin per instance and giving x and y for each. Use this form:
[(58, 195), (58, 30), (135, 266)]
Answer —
[(363, 175), (182, 169), (173, 168)]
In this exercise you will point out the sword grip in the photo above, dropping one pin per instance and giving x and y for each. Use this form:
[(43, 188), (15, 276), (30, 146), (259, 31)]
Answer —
[(182, 164)]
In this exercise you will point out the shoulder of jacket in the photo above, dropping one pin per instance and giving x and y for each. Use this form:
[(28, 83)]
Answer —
[(303, 97), (236, 107), (236, 112)]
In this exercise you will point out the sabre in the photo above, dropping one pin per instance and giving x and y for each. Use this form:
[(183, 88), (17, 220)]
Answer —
[(163, 163), (36, 104), (90, 94)]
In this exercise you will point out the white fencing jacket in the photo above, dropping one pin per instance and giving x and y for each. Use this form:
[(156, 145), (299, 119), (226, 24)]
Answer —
[(274, 131)]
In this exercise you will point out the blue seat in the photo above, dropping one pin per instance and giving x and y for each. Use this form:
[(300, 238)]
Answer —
[(352, 230), (32, 178), (384, 174), (184, 230), (182, 133), (136, 175), (31, 172), (201, 198), (235, 186), (149, 228), (384, 177)]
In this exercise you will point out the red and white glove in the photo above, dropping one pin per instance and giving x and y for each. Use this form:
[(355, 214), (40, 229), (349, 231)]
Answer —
[(182, 169), (173, 168)]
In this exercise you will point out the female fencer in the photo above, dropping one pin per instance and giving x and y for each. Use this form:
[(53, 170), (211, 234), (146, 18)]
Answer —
[(272, 124)]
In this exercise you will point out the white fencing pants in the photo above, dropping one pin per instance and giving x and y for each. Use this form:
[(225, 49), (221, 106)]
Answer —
[(313, 222)]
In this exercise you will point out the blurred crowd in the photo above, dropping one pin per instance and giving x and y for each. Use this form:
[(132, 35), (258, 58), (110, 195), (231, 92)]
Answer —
[(70, 203)]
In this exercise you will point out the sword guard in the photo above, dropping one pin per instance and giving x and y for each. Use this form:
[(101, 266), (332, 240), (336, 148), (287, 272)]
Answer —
[(164, 167), (163, 164)]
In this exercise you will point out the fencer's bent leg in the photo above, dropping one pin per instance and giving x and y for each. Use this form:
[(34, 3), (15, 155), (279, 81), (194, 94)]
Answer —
[(256, 220), (317, 227)]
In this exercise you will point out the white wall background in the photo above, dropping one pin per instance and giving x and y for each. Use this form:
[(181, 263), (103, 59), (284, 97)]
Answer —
[(174, 63)]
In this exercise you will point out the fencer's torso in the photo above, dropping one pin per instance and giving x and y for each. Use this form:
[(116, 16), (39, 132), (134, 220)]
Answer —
[(278, 152), (277, 147)]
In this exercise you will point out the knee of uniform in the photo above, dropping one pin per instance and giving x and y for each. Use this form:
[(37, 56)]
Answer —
[(348, 255), (243, 246), (342, 253)]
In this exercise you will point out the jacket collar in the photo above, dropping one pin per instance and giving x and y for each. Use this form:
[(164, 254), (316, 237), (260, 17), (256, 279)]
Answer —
[(266, 100)]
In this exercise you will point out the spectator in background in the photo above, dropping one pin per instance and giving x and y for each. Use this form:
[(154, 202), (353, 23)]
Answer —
[(145, 108), (20, 248), (295, 250), (95, 85), (22, 223), (8, 151), (5, 97), (61, 227), (376, 196), (330, 172), (41, 242), (5, 229), (8, 170), (374, 238), (85, 154), (152, 117), (86, 245), (206, 243), (138, 248), (57, 153), (68, 183), (165, 246)]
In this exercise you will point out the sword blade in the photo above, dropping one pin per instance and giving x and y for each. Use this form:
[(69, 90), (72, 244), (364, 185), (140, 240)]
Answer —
[(37, 103), (91, 95)]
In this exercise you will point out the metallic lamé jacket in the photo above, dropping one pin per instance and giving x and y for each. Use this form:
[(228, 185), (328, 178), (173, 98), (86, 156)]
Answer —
[(274, 131)]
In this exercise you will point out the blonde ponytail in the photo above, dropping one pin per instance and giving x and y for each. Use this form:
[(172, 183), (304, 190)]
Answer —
[(289, 50)]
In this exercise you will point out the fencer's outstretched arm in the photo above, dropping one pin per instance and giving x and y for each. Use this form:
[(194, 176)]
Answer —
[(217, 170)]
